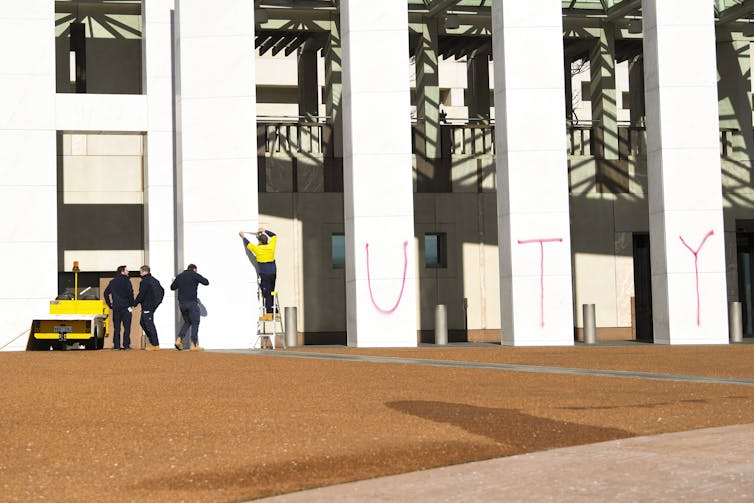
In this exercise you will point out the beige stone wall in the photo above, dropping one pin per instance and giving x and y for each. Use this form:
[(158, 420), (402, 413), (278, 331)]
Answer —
[(103, 168)]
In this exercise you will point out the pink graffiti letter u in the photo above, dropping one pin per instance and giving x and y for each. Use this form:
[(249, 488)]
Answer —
[(403, 281)]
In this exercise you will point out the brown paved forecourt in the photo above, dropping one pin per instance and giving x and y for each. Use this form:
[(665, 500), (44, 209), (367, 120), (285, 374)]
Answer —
[(172, 426)]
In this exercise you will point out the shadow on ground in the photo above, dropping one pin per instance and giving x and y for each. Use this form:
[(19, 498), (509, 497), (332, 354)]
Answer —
[(517, 431), (269, 479)]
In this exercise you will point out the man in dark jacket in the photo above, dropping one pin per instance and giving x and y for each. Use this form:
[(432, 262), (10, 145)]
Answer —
[(150, 295), (187, 283), (120, 304)]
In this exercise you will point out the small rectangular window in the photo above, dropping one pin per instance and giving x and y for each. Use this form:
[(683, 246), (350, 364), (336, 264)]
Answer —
[(626, 100), (435, 250), (586, 90), (338, 251)]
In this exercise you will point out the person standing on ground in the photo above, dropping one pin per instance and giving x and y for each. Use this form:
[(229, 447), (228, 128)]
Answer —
[(265, 254), (150, 296), (187, 283), (120, 304)]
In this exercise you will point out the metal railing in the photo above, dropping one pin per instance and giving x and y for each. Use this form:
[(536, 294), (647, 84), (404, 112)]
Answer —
[(311, 137), (469, 139), (293, 137)]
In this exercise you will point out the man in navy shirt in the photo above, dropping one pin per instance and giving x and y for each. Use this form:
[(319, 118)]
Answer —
[(150, 296), (187, 283), (122, 294)]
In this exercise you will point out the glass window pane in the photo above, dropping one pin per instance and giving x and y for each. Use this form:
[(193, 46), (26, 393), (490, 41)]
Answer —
[(435, 250), (338, 250), (431, 250)]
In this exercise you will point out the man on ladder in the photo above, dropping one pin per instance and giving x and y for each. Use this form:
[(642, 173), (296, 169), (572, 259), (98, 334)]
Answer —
[(265, 255)]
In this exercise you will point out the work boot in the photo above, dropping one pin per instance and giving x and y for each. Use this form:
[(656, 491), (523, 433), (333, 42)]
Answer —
[(194, 347), (152, 348), (266, 317), (178, 343)]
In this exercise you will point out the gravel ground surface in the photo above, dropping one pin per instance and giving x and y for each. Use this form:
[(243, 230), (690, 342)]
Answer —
[(178, 426)]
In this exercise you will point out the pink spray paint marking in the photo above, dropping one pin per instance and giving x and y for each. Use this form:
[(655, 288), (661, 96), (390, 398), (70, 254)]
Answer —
[(403, 282), (541, 272), (696, 272)]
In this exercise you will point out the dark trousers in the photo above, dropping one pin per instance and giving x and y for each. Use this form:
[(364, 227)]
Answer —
[(190, 313), (147, 324), (121, 316), (267, 283)]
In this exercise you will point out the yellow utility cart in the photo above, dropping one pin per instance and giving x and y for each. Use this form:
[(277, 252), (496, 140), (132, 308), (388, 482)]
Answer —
[(72, 324)]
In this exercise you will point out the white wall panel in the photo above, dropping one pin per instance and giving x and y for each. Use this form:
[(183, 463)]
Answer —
[(218, 166), (533, 216), (378, 196), (100, 112), (689, 298), (28, 165)]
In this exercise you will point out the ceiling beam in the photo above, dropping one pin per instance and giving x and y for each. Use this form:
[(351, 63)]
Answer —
[(743, 9), (261, 39), (297, 42), (440, 6), (622, 9), (281, 44)]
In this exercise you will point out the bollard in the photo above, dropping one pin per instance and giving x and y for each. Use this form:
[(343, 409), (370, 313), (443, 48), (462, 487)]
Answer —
[(590, 324), (291, 330), (441, 325), (735, 322)]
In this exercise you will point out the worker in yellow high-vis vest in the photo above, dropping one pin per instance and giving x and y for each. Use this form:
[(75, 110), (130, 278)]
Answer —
[(265, 255)]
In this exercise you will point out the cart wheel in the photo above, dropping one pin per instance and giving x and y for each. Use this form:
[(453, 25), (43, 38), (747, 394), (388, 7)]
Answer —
[(100, 337)]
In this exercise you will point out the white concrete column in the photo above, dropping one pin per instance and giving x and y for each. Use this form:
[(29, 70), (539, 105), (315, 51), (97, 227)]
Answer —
[(568, 81), (159, 163), (379, 217), (28, 173), (308, 86), (603, 94), (689, 299), (217, 163), (428, 91), (734, 92), (636, 88), (533, 220), (478, 78), (334, 90)]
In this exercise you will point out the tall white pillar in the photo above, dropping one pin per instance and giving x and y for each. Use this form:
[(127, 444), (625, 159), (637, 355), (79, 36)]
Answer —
[(478, 86), (533, 220), (159, 201), (378, 186), (217, 162), (428, 91), (308, 85), (734, 94), (603, 93), (683, 157), (28, 173), (334, 90)]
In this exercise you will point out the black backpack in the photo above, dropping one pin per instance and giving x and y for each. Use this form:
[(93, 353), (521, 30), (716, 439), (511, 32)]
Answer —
[(159, 293)]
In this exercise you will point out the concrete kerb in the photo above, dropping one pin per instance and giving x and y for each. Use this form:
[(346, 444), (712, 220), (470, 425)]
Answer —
[(712, 464), (508, 367)]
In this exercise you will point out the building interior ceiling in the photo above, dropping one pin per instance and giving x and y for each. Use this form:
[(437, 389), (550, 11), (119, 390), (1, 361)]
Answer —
[(464, 26)]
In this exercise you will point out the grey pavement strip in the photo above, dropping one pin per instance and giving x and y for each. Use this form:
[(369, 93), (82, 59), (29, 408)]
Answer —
[(705, 465), (740, 381)]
